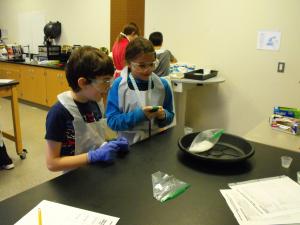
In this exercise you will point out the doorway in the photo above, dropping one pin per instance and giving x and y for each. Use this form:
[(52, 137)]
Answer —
[(123, 12)]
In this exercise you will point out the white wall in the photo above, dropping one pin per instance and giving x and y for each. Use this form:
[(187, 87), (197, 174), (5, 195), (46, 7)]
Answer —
[(83, 22), (210, 33), (222, 35)]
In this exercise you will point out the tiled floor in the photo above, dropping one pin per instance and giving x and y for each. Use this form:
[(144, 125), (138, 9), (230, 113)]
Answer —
[(32, 170)]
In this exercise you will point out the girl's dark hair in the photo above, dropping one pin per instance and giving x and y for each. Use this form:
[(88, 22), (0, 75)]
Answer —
[(87, 62), (129, 29), (156, 38), (136, 47)]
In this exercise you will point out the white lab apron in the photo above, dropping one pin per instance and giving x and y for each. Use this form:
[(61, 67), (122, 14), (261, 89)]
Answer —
[(88, 136), (129, 100)]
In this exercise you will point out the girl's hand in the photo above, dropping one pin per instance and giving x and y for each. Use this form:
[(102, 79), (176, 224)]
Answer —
[(147, 110), (159, 113)]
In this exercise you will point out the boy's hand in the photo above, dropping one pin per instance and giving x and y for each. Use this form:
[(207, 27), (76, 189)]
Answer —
[(105, 153), (122, 144)]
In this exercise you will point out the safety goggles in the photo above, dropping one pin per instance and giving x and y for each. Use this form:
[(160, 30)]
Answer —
[(145, 66), (102, 85), (105, 81)]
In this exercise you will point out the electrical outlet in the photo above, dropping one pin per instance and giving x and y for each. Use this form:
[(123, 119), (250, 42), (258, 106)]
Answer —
[(280, 67)]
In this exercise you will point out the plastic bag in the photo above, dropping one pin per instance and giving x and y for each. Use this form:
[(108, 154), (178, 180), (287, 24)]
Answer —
[(166, 186), (205, 140)]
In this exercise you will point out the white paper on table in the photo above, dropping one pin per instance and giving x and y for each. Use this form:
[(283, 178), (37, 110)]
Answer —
[(5, 81), (243, 210), (59, 214), (246, 214), (273, 196)]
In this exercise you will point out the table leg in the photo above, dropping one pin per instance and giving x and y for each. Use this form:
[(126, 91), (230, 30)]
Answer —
[(180, 106), (180, 102), (16, 120)]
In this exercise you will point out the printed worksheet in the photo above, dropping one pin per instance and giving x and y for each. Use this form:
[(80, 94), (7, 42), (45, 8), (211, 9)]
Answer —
[(272, 196), (273, 200), (247, 214), (58, 214)]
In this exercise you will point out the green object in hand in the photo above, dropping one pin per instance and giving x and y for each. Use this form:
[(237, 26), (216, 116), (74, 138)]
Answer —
[(154, 108)]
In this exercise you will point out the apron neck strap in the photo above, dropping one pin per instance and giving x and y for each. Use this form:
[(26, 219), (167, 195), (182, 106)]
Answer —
[(138, 93)]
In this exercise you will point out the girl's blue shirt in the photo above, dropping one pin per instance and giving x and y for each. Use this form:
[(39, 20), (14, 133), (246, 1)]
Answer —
[(120, 121)]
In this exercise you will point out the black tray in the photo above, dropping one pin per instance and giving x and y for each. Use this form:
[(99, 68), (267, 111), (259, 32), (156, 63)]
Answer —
[(198, 74), (229, 149)]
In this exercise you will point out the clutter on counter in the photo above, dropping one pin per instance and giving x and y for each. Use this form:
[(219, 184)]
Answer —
[(200, 74), (181, 67), (49, 62), (286, 111), (285, 119), (189, 71), (11, 52), (286, 124)]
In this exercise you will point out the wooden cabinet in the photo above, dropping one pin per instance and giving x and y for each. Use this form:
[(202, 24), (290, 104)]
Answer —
[(37, 84), (55, 83), (3, 69), (11, 71), (34, 84), (15, 73)]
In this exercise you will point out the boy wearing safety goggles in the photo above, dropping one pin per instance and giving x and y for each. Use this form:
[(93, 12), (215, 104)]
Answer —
[(74, 125)]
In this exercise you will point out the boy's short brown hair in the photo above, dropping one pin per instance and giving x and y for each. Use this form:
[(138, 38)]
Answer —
[(87, 62)]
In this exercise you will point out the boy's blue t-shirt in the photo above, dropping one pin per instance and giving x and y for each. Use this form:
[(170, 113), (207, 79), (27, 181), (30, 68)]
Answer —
[(59, 124)]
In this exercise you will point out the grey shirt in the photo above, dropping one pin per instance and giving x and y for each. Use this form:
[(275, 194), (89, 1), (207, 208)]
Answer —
[(164, 57)]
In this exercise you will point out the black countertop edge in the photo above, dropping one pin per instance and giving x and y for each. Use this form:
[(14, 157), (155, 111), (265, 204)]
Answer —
[(34, 64)]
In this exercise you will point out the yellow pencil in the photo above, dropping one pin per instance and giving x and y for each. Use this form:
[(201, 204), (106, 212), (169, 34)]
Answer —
[(40, 217)]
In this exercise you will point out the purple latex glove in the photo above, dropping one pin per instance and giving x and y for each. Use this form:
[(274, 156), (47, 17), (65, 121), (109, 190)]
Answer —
[(122, 143), (105, 153)]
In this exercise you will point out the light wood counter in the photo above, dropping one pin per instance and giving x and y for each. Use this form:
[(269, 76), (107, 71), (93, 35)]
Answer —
[(264, 134)]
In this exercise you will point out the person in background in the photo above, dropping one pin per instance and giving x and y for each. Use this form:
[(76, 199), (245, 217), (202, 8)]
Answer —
[(5, 161), (164, 56), (74, 125), (129, 33), (139, 102)]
